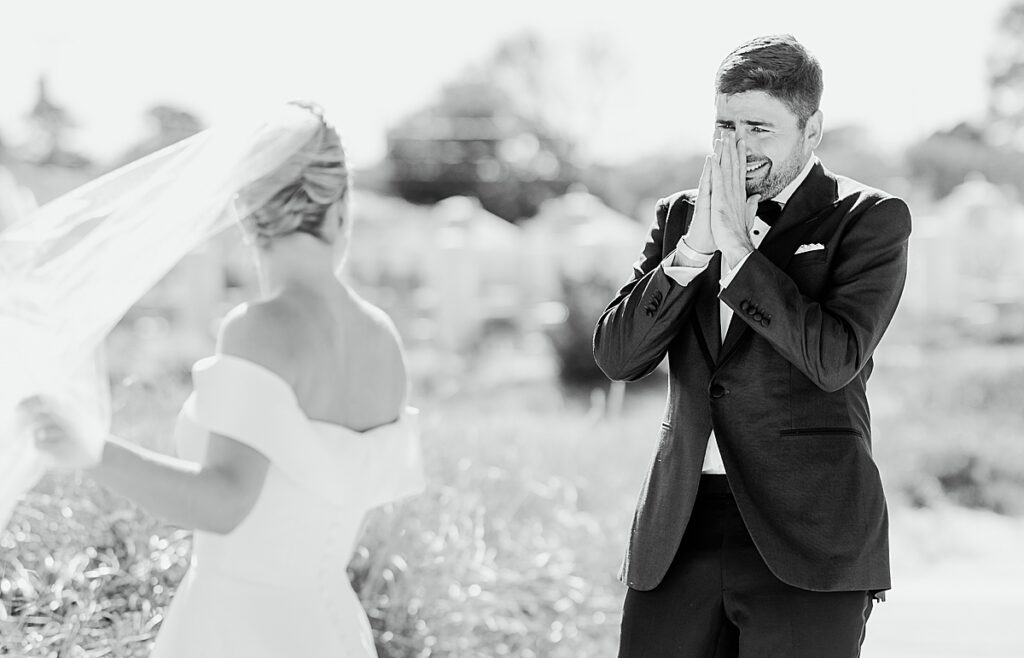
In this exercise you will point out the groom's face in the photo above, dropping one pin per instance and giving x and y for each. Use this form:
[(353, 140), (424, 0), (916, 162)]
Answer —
[(777, 146)]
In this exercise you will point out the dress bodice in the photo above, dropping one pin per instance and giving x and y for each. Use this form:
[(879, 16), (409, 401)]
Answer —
[(321, 480)]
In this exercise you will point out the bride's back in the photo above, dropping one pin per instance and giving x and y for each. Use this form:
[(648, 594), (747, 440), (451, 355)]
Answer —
[(353, 372), (341, 355)]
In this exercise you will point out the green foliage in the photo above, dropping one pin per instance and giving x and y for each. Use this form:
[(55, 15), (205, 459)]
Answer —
[(476, 142), (168, 125), (51, 124), (497, 558), (84, 573), (585, 299), (849, 151), (633, 187), (956, 436), (1006, 76), (945, 159)]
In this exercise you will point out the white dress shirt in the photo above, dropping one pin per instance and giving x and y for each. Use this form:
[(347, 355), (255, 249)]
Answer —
[(684, 264)]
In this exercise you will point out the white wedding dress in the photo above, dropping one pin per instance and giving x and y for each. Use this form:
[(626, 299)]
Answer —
[(276, 586)]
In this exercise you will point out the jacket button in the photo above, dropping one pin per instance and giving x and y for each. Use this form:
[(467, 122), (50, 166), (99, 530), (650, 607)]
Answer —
[(757, 317), (718, 391), (744, 305)]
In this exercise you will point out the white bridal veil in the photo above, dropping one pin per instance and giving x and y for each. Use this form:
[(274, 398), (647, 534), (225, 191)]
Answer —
[(70, 270)]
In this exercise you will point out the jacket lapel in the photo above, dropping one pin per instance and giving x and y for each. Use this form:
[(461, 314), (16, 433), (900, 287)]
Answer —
[(709, 316), (816, 195)]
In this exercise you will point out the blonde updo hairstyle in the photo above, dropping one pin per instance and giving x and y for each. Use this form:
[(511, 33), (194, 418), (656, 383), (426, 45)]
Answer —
[(300, 193)]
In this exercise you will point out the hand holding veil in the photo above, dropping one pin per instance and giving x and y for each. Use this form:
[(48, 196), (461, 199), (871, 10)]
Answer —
[(70, 270)]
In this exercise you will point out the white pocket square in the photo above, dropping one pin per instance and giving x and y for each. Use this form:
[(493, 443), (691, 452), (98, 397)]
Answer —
[(804, 248)]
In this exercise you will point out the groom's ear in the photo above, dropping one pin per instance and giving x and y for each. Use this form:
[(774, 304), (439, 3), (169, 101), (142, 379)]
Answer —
[(812, 130)]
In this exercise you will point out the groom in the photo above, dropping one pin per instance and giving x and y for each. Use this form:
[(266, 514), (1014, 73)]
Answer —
[(761, 529)]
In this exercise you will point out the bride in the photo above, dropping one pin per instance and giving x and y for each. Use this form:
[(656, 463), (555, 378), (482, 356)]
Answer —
[(296, 427)]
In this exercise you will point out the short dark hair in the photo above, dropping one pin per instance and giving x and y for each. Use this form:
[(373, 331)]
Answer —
[(778, 65)]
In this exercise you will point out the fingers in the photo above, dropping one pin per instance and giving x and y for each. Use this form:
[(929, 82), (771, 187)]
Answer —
[(704, 187), (43, 422), (728, 156), (48, 435), (717, 183), (731, 159), (741, 168)]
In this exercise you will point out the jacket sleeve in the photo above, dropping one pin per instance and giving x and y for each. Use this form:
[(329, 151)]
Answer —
[(831, 339), (633, 333)]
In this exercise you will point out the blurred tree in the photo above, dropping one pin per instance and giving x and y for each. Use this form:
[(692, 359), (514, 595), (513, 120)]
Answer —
[(564, 85), (850, 151), (1006, 78), (946, 158), (573, 340), (633, 187), (476, 141), (50, 124), (168, 125), (512, 130)]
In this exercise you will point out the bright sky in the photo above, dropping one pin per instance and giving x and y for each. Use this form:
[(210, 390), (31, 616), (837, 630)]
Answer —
[(902, 69)]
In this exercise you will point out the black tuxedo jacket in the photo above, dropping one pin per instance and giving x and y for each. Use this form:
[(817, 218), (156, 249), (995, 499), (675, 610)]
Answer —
[(784, 393)]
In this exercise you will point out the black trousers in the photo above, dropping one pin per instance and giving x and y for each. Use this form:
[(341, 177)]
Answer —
[(719, 600)]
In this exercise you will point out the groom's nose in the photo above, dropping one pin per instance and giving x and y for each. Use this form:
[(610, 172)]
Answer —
[(742, 132)]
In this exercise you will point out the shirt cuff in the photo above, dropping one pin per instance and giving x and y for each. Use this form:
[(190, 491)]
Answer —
[(687, 256), (684, 264), (731, 274)]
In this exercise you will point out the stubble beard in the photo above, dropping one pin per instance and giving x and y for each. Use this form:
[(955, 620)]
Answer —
[(779, 177)]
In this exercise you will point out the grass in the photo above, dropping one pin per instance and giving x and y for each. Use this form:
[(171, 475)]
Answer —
[(514, 547), (949, 426), (512, 550)]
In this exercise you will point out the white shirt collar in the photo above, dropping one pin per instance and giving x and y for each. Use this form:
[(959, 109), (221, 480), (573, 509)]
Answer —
[(782, 198)]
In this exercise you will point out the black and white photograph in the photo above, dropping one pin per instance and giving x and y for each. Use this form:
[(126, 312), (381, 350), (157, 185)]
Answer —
[(527, 330)]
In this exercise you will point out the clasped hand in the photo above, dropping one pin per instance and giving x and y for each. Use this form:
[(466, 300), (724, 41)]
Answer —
[(723, 215)]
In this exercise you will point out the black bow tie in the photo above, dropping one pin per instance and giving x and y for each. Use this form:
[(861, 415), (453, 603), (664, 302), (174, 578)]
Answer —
[(769, 211)]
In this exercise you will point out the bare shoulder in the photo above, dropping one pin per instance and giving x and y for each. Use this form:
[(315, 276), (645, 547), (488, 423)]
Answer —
[(378, 321), (261, 332)]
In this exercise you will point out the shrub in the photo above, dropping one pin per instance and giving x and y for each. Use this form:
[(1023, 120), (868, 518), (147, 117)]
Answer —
[(573, 340)]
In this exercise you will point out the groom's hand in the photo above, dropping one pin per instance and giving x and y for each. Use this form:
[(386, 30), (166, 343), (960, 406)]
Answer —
[(698, 236), (732, 213)]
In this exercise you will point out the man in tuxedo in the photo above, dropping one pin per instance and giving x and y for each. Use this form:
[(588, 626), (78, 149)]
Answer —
[(761, 529)]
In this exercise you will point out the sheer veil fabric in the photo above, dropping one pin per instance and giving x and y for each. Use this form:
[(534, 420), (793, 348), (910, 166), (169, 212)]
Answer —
[(70, 270)]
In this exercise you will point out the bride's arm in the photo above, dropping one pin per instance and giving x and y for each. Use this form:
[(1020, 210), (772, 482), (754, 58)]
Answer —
[(214, 496), (219, 493)]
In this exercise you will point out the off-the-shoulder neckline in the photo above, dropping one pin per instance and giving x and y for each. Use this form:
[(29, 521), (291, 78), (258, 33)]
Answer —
[(220, 356)]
